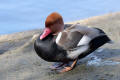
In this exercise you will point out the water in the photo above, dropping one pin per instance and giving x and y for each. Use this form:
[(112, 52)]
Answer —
[(96, 61), (20, 15)]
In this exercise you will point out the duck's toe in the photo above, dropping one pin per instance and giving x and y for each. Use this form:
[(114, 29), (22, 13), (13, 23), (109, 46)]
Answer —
[(56, 65), (65, 69)]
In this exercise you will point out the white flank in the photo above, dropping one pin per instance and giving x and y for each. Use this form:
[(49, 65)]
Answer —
[(84, 41), (58, 37), (75, 53)]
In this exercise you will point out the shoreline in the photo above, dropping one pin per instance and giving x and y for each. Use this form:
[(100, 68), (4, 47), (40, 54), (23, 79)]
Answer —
[(91, 22)]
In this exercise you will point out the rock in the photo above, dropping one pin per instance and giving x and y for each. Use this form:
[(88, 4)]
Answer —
[(19, 61)]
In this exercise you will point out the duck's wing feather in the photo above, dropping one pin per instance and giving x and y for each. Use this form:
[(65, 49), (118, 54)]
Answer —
[(68, 40), (80, 41), (84, 50), (75, 35)]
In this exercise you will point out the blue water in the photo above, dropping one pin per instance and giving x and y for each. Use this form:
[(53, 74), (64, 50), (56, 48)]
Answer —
[(21, 15)]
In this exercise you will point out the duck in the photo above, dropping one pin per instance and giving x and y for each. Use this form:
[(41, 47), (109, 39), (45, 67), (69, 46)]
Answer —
[(66, 45)]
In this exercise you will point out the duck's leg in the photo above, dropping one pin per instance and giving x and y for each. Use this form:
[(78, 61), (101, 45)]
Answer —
[(68, 68)]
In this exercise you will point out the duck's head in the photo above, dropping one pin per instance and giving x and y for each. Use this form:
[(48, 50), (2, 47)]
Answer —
[(54, 24)]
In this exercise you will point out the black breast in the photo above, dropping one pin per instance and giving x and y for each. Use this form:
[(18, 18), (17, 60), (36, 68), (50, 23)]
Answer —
[(48, 50)]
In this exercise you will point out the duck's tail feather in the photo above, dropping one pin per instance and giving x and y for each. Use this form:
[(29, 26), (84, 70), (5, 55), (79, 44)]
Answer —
[(101, 31), (94, 44), (110, 42)]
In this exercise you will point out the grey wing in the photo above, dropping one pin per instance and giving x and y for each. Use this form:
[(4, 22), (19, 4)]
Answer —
[(68, 40)]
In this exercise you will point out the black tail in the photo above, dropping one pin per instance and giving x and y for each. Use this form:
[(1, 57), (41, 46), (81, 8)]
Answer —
[(95, 43), (101, 31), (99, 41)]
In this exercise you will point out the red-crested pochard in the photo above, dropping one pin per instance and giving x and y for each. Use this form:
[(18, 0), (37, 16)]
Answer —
[(64, 45)]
